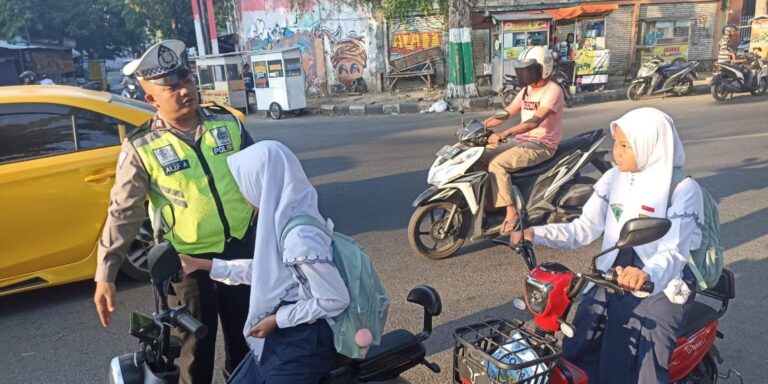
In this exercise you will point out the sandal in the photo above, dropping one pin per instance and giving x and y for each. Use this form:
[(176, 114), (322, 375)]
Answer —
[(511, 224)]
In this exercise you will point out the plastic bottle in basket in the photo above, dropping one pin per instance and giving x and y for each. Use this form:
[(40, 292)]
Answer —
[(515, 351)]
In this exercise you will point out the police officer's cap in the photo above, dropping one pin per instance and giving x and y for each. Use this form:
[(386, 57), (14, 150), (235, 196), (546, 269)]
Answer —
[(161, 64)]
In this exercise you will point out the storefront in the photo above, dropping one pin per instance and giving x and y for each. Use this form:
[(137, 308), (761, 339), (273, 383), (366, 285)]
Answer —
[(758, 41), (676, 32), (512, 33), (580, 40)]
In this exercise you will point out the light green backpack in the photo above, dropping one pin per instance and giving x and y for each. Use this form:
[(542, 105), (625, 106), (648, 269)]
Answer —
[(368, 300), (706, 263)]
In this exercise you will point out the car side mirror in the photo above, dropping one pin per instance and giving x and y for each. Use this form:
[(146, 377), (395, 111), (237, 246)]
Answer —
[(642, 231)]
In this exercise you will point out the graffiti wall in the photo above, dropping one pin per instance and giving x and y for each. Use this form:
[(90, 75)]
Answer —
[(414, 34), (337, 42)]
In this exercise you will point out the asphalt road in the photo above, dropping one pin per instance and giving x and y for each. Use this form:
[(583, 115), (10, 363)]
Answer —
[(367, 171)]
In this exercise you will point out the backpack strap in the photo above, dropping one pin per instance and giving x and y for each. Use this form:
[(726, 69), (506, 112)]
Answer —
[(678, 175), (299, 221)]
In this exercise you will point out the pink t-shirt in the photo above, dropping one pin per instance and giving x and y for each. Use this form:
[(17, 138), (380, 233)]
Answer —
[(550, 131)]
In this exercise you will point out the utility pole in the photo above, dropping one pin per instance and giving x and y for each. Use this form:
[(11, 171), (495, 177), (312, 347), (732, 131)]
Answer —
[(461, 70)]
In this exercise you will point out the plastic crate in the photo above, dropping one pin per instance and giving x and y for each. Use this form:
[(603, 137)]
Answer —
[(500, 351)]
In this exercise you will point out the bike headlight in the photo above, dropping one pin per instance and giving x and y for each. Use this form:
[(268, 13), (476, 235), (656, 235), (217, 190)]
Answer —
[(537, 294)]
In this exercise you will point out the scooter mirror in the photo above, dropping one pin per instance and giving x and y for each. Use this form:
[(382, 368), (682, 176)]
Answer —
[(642, 231), (501, 115)]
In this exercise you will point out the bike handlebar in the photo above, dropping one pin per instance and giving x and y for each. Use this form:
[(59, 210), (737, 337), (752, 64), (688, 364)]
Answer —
[(613, 277), (187, 322)]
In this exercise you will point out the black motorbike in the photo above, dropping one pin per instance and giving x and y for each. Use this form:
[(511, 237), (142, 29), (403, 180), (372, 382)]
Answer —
[(658, 77), (730, 78), (132, 90), (399, 350), (511, 87)]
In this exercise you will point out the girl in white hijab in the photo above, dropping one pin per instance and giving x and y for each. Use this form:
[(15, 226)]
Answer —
[(629, 339), (287, 327)]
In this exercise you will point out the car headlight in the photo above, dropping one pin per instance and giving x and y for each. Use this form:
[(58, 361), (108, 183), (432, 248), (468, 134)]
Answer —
[(537, 294)]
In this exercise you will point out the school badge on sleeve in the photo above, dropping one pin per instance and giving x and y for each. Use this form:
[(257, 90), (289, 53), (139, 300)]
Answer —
[(617, 210), (169, 160)]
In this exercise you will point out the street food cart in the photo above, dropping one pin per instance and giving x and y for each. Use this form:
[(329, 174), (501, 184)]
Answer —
[(512, 34), (278, 81), (220, 79)]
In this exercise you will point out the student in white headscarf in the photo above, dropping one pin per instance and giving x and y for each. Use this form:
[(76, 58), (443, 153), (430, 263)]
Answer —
[(294, 291), (629, 339)]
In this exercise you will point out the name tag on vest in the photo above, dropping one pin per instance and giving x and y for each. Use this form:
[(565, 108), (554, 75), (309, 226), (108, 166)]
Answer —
[(223, 140), (169, 160)]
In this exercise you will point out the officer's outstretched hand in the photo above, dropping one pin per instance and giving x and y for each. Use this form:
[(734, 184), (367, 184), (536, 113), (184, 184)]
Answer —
[(104, 298)]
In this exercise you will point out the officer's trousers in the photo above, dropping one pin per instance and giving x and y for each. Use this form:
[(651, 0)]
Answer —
[(209, 300)]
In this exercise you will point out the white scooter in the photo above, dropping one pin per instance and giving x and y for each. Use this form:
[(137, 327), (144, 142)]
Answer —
[(455, 207)]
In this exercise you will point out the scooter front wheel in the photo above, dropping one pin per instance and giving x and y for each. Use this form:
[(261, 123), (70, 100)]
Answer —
[(437, 230), (634, 92)]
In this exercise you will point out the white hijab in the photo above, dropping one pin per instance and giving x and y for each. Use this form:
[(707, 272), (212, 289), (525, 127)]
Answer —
[(658, 149), (271, 178)]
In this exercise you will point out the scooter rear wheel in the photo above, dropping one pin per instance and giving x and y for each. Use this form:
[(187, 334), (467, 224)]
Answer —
[(761, 89), (427, 232)]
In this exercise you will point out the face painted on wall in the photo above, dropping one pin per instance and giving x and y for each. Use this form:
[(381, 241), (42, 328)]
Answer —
[(349, 59)]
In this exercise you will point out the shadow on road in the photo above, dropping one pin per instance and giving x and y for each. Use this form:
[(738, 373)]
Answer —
[(63, 295), (321, 166), (361, 201)]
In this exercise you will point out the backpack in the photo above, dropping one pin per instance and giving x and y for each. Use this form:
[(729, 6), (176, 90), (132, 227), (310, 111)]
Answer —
[(706, 262), (368, 300)]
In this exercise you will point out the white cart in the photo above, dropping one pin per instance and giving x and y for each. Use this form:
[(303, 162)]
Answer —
[(278, 81), (221, 79)]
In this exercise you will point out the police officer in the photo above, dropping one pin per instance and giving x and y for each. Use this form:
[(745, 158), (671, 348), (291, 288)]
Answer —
[(178, 161)]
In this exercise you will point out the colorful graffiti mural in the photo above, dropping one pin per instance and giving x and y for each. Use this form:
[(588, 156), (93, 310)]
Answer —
[(327, 37), (414, 34)]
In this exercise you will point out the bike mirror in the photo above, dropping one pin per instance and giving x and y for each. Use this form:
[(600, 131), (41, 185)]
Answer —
[(163, 262), (642, 231), (501, 115)]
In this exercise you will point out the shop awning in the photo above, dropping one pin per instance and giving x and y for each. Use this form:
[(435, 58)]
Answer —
[(516, 16), (562, 14)]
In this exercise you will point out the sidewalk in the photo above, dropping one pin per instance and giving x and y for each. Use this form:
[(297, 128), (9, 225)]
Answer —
[(415, 100)]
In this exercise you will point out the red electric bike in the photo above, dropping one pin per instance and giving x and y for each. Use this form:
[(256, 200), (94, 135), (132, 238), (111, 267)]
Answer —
[(509, 351)]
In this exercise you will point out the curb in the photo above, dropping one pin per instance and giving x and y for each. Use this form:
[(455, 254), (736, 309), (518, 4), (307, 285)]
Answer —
[(474, 104)]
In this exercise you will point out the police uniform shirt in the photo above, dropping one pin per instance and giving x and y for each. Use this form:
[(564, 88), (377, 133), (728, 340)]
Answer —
[(126, 208)]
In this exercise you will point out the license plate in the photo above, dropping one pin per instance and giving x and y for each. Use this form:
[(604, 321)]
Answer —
[(448, 152)]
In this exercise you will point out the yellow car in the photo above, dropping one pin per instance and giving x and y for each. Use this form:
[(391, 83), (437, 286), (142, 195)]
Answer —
[(58, 150)]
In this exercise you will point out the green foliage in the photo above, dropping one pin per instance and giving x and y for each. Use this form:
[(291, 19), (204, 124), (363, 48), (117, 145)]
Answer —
[(398, 9)]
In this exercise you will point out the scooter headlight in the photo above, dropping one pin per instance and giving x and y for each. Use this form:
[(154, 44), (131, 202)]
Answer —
[(537, 294)]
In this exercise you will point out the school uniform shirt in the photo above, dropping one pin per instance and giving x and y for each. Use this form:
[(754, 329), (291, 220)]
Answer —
[(664, 259), (325, 298)]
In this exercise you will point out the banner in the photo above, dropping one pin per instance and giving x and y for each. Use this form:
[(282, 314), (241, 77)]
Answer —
[(592, 66), (671, 53), (218, 97), (759, 37), (404, 43), (513, 52), (526, 25)]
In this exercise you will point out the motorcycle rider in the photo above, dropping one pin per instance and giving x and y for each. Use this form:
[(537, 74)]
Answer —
[(726, 52), (630, 338), (540, 104), (27, 78), (178, 161)]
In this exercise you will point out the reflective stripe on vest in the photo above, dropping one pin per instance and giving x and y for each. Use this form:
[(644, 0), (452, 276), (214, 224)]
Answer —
[(200, 200)]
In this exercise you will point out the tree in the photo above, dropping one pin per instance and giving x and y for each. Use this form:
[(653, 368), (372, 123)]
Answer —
[(169, 19), (461, 70)]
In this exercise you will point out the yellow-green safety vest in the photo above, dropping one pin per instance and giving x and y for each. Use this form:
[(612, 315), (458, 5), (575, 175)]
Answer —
[(200, 200)]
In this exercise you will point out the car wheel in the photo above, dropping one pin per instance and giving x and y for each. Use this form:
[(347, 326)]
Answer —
[(136, 264)]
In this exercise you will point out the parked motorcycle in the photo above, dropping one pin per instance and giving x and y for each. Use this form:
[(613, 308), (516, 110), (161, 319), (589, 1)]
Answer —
[(511, 87), (656, 77), (457, 205), (399, 350), (729, 78), (485, 351)]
